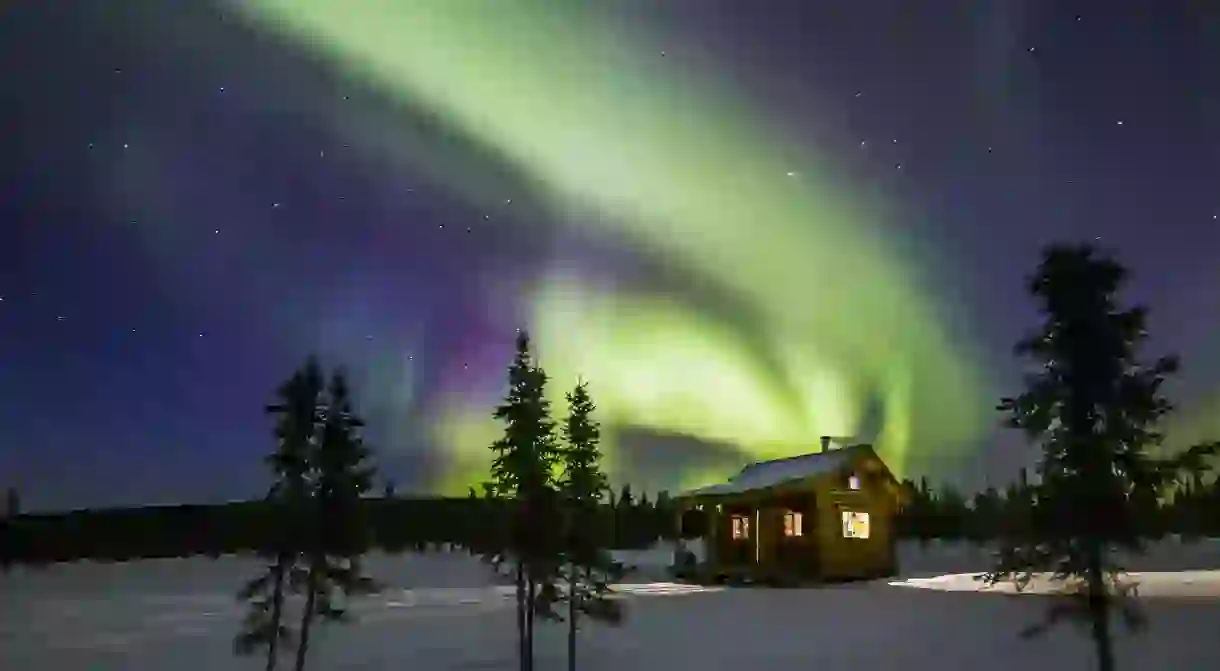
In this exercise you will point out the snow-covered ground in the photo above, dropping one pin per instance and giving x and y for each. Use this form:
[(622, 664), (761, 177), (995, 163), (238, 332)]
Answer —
[(1148, 584), (442, 612)]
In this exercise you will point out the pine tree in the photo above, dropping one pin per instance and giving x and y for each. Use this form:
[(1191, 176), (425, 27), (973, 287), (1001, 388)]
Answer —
[(12, 502), (624, 515), (521, 479), (337, 537), (665, 513), (297, 417), (1093, 408), (590, 567)]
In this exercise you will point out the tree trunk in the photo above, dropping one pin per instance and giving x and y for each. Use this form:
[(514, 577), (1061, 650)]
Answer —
[(522, 651), (307, 617), (277, 611), (1099, 612), (531, 615), (572, 610)]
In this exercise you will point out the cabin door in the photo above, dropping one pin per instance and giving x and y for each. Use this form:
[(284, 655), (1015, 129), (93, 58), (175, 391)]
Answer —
[(794, 537), (740, 545)]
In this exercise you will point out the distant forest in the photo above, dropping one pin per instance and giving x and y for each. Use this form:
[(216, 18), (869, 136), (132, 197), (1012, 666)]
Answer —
[(401, 524)]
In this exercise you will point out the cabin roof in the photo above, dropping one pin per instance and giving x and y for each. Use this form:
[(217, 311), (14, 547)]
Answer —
[(766, 474)]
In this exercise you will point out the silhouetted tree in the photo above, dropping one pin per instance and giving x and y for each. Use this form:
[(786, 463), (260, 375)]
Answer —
[(951, 512), (389, 490), (297, 415), (625, 499), (666, 516), (12, 502), (336, 538), (1093, 407), (522, 479), (624, 509), (985, 513), (590, 568)]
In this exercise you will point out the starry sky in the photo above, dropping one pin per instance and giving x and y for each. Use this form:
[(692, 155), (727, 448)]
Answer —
[(746, 228)]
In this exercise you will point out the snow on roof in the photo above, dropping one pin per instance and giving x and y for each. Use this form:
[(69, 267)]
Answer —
[(764, 474)]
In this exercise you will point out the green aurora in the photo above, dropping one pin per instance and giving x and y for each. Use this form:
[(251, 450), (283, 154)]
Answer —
[(669, 162)]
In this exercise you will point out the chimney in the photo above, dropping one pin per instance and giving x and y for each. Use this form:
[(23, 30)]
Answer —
[(825, 443)]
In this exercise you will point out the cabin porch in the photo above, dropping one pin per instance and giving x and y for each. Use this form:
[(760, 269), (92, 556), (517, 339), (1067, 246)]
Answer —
[(765, 537)]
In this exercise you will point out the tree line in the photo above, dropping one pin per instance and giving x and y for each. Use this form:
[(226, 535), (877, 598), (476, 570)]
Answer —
[(395, 524), (399, 523), (419, 524), (1189, 512)]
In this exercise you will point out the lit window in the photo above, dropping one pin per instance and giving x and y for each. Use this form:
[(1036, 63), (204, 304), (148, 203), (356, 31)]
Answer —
[(741, 527), (853, 481), (793, 524), (855, 525)]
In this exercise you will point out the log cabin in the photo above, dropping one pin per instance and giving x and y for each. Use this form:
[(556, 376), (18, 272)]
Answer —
[(823, 516)]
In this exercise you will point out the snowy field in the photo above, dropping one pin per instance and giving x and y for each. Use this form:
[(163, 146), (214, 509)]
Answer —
[(443, 613)]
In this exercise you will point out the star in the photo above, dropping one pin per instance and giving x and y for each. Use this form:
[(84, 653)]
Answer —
[(861, 143), (487, 217), (275, 206), (1032, 49), (125, 145), (467, 229), (201, 334), (216, 232), (508, 201), (898, 166), (791, 174), (1120, 122), (222, 89), (59, 318)]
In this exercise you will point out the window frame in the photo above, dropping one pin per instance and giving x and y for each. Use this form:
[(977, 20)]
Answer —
[(845, 524), (794, 524), (739, 527)]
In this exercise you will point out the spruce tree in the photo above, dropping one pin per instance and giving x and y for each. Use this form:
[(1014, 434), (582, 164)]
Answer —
[(1093, 407), (624, 517), (297, 417), (12, 502), (590, 568), (522, 481), (336, 539)]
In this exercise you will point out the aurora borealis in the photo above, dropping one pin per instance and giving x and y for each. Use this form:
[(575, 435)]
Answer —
[(401, 185), (615, 162)]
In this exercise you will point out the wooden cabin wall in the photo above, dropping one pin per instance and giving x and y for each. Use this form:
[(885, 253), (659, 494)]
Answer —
[(729, 551), (854, 557), (792, 555)]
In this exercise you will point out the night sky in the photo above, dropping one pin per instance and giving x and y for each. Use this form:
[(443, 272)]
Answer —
[(745, 227)]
